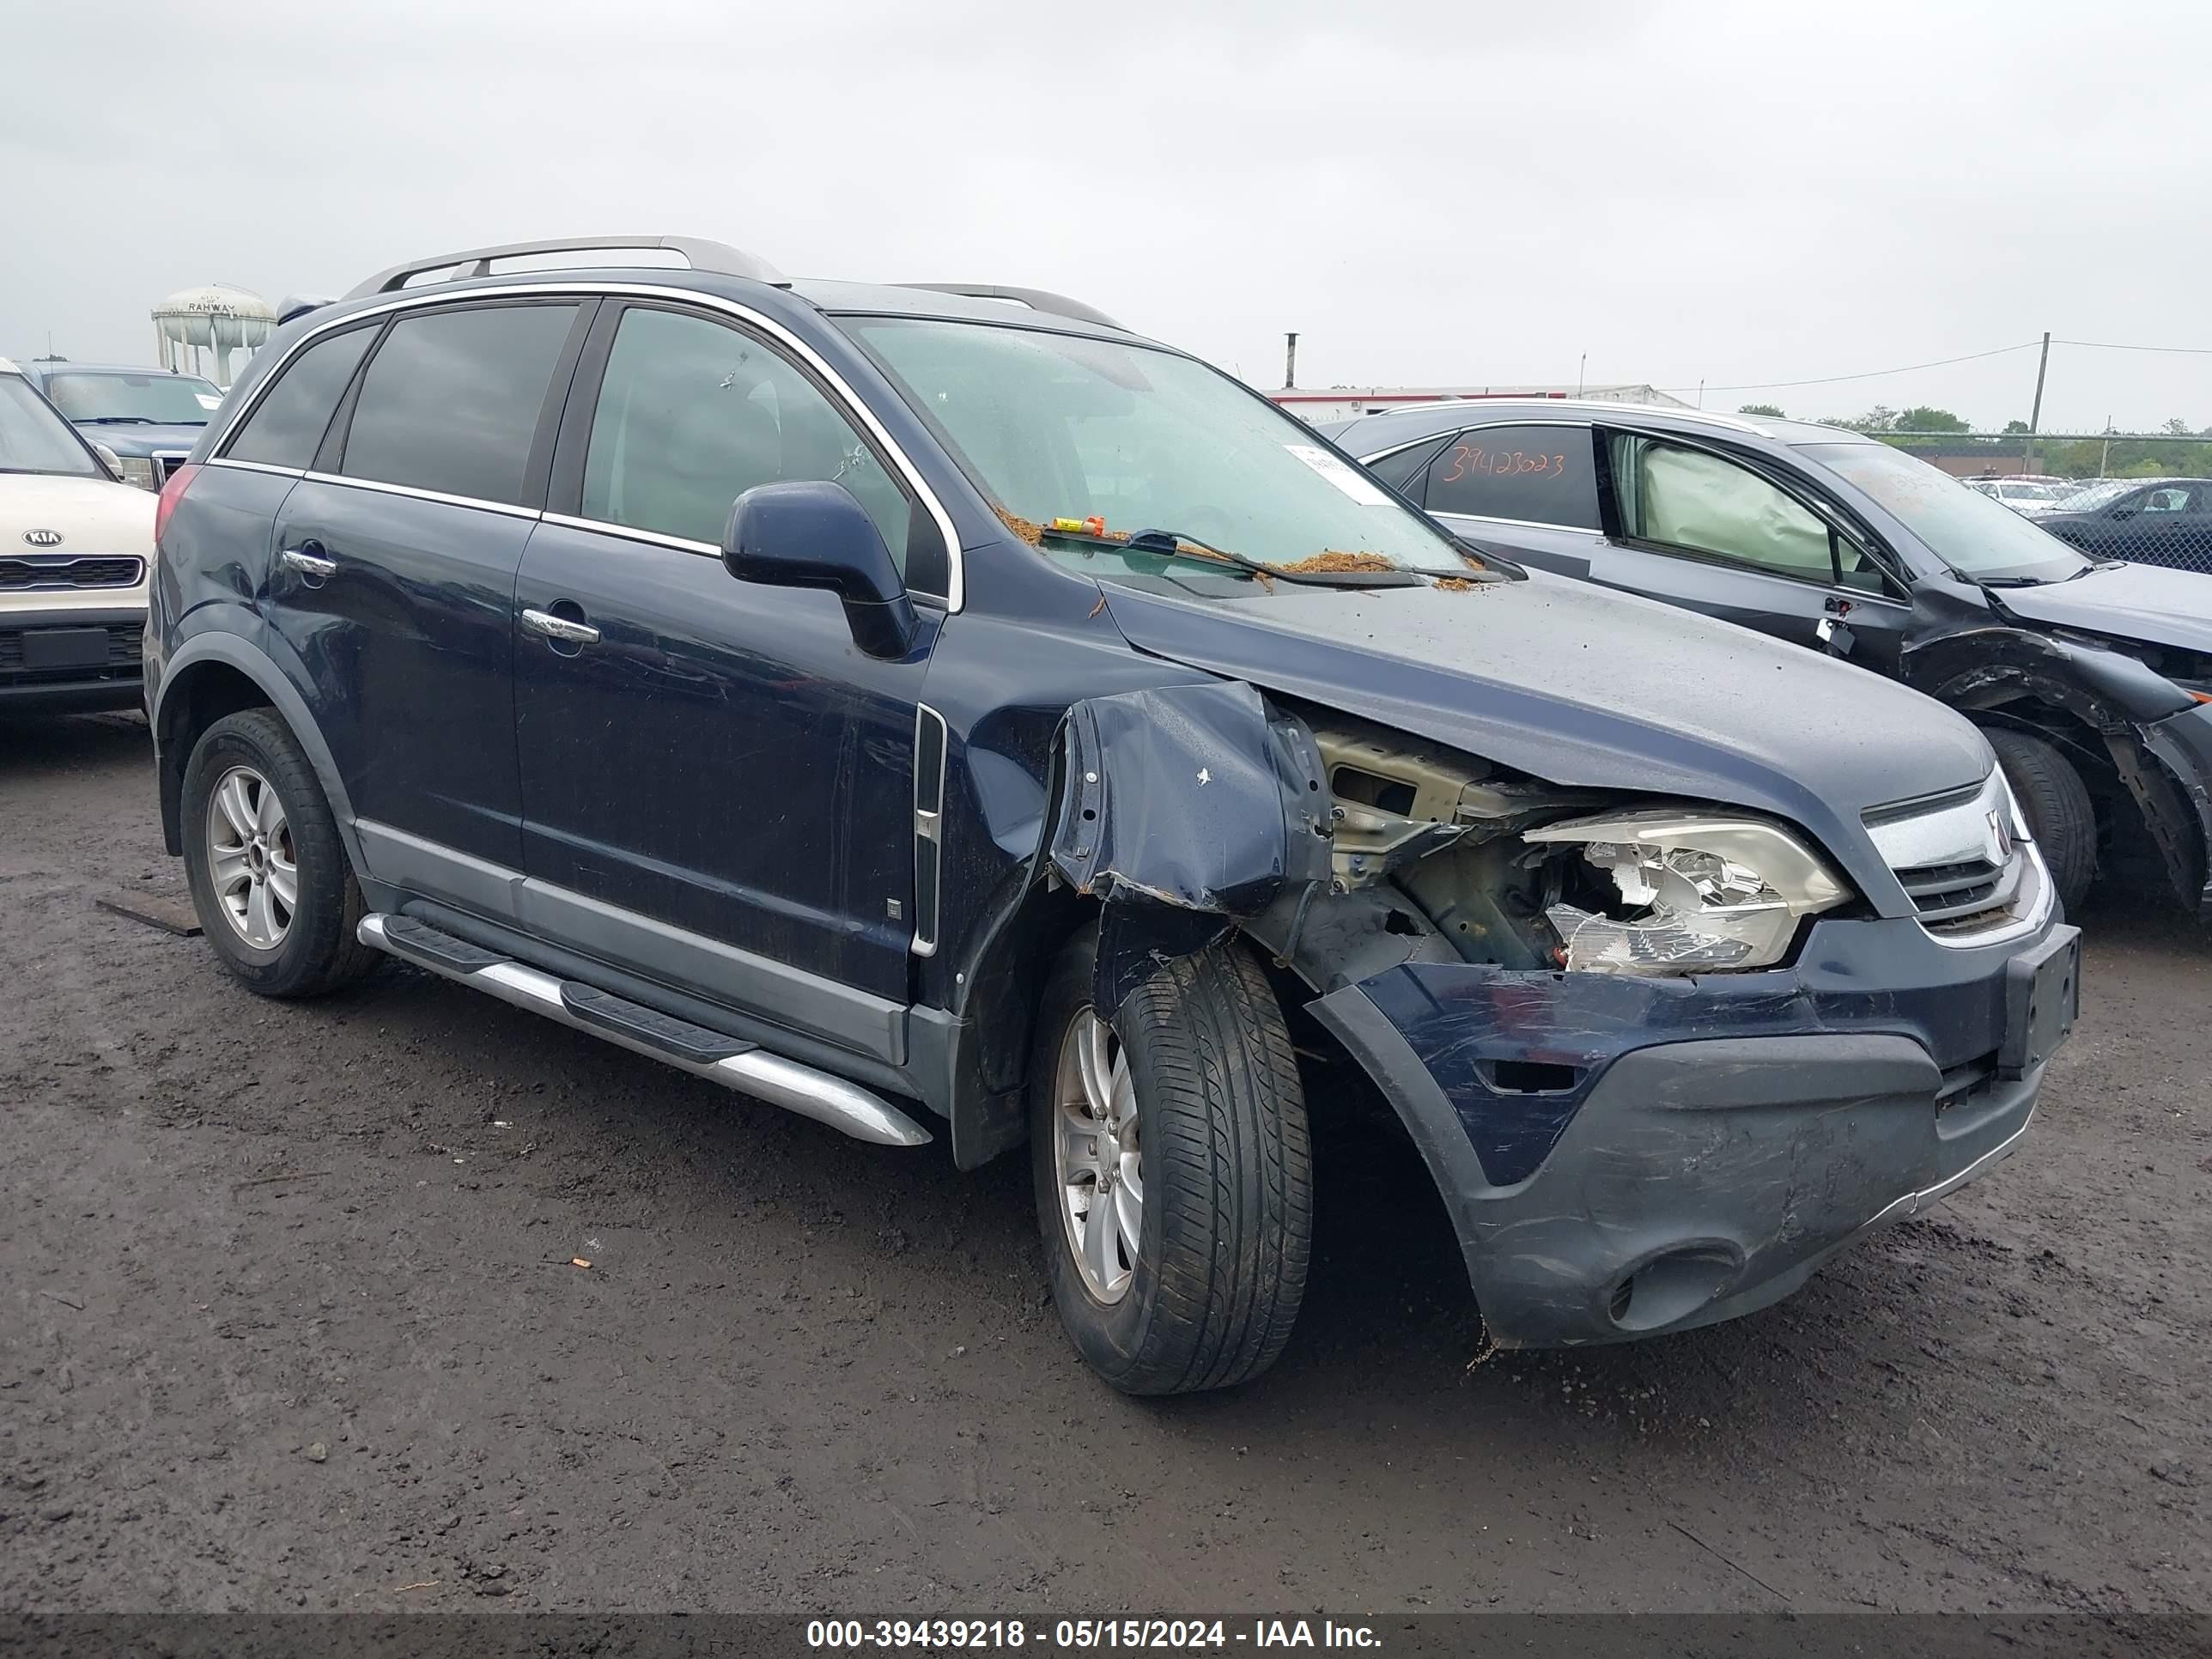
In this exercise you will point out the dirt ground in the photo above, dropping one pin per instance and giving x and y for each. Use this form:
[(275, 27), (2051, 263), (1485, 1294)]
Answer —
[(288, 1321)]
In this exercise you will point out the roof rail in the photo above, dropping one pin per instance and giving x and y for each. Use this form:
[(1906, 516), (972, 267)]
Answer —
[(698, 255), (1036, 299)]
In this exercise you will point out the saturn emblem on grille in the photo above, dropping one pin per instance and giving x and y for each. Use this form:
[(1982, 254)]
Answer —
[(43, 538)]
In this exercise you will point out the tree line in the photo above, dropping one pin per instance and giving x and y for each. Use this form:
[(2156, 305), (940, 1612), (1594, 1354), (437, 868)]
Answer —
[(2132, 455)]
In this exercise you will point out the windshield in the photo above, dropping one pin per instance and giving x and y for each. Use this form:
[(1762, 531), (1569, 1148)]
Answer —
[(1977, 536), (1134, 438), (162, 399), (33, 438)]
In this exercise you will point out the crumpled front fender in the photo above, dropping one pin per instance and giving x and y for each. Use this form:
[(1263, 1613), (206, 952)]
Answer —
[(1184, 809)]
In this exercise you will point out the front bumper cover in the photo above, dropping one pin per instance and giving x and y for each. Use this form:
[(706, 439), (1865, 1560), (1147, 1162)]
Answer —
[(1622, 1156), (115, 684)]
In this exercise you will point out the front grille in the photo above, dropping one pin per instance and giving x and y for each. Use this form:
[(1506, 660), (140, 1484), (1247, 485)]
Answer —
[(1943, 891), (164, 465), (124, 641), (1971, 923), (1955, 858), (19, 573)]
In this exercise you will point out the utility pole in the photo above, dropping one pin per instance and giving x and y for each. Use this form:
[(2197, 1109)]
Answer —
[(2035, 415), (1291, 360), (1701, 392), (2105, 454), (1580, 370)]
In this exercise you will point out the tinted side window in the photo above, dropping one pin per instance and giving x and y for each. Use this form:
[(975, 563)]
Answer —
[(451, 400), (287, 426), (693, 413), (1540, 474)]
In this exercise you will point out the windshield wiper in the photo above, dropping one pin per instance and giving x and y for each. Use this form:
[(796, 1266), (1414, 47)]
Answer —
[(1176, 545), (115, 420)]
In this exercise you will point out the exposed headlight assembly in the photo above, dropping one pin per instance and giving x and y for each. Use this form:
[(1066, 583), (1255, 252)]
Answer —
[(135, 470), (1711, 893)]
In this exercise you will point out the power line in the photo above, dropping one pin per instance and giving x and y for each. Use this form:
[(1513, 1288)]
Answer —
[(2105, 345), (1870, 374)]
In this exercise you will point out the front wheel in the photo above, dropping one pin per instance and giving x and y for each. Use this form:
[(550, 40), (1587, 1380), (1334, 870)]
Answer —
[(2056, 805), (1173, 1181)]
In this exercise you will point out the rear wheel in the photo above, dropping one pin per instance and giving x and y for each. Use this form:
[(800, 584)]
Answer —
[(1174, 1182), (269, 877), (2056, 804)]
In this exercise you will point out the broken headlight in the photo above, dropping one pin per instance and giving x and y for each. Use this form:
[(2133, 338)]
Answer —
[(1705, 894)]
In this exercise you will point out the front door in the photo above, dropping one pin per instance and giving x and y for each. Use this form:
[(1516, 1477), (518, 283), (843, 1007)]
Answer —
[(2169, 527), (717, 783), (394, 580), (1704, 530)]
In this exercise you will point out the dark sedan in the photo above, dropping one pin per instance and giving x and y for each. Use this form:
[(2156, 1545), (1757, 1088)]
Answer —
[(2092, 680), (2165, 521)]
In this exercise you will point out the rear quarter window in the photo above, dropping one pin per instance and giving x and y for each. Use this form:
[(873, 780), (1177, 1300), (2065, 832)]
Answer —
[(287, 426), (1536, 474)]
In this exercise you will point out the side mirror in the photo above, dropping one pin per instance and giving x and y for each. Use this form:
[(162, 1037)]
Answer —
[(816, 535)]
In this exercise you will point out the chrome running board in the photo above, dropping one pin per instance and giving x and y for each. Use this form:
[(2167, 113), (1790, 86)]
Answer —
[(731, 1062)]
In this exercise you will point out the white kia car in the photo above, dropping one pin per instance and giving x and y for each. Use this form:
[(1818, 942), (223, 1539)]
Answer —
[(76, 544)]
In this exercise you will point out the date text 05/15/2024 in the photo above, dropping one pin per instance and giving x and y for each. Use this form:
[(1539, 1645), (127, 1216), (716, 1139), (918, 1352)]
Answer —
[(1085, 1634)]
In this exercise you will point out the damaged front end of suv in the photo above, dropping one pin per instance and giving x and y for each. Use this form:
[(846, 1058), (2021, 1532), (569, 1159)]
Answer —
[(1662, 1056)]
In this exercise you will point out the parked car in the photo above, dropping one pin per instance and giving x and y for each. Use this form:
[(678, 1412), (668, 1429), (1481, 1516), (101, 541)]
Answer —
[(948, 713), (2029, 496), (2163, 521), (150, 418), (74, 542), (2091, 680)]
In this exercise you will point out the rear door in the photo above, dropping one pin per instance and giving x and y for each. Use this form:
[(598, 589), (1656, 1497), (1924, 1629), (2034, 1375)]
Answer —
[(1530, 491), (718, 785), (394, 580)]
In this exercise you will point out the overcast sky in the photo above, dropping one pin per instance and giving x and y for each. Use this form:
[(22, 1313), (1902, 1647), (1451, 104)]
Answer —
[(1466, 193)]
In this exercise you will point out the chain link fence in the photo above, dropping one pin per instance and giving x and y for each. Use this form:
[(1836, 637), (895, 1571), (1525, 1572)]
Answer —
[(2144, 497)]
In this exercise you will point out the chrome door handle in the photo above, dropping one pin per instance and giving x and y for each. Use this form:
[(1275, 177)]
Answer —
[(309, 564), (560, 627)]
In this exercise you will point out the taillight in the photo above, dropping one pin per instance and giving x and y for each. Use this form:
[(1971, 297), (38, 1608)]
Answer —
[(172, 493)]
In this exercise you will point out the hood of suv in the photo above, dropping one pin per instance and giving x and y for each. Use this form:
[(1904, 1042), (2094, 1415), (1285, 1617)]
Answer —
[(91, 515), (1584, 688), (2145, 602)]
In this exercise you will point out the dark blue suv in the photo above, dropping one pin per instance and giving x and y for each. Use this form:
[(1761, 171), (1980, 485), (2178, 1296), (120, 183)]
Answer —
[(939, 710)]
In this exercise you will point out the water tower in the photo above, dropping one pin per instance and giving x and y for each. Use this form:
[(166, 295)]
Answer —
[(216, 320)]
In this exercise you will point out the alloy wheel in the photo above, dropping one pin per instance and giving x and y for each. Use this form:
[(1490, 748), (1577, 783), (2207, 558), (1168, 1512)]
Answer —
[(1096, 1162), (251, 864)]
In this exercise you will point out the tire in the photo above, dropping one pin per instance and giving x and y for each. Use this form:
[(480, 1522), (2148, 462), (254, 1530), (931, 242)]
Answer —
[(1223, 1173), (2056, 804), (303, 948)]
